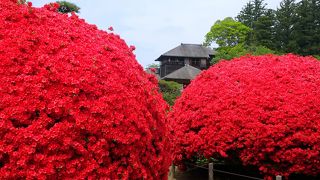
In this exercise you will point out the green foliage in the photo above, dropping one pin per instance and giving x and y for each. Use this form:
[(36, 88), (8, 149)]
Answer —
[(306, 30), (246, 15), (264, 34), (227, 32), (262, 22), (285, 20), (203, 161), (228, 53), (260, 50), (251, 12), (254, 34), (292, 28), (67, 7), (170, 90), (317, 56), (153, 65)]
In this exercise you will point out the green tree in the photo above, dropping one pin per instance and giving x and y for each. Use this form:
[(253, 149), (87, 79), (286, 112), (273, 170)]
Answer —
[(227, 33), (249, 14), (153, 65), (67, 7), (264, 33), (246, 15), (259, 8), (285, 19), (306, 30)]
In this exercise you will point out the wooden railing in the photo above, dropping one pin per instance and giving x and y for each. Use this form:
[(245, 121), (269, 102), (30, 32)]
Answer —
[(212, 170)]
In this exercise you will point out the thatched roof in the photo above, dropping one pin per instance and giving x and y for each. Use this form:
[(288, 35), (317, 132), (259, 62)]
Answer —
[(183, 75), (190, 50)]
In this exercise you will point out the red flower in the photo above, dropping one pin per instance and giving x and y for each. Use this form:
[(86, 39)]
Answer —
[(74, 102), (52, 6), (153, 70), (110, 28), (132, 48), (262, 110)]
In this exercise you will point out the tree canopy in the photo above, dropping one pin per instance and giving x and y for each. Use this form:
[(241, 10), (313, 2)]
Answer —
[(264, 32), (251, 12), (153, 65), (306, 29), (292, 28), (67, 7), (285, 19), (227, 32), (232, 37)]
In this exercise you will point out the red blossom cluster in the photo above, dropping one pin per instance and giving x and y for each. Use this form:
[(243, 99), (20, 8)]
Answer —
[(110, 28), (153, 70), (51, 6), (263, 110), (74, 103)]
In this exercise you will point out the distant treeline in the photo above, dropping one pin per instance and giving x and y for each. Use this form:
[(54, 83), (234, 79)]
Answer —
[(294, 27)]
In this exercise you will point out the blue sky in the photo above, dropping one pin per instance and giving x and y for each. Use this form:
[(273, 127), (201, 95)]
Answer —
[(155, 27)]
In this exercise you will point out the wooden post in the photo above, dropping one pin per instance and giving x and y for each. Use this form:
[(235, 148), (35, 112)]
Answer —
[(171, 172), (210, 171), (278, 177)]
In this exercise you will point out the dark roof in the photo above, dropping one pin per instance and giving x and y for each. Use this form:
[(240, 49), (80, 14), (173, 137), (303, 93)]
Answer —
[(190, 50), (185, 73)]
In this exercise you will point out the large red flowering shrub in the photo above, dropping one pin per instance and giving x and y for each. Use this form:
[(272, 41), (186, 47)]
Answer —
[(74, 103), (263, 110)]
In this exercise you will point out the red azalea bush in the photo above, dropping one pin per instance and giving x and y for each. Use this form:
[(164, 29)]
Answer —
[(74, 103), (263, 111)]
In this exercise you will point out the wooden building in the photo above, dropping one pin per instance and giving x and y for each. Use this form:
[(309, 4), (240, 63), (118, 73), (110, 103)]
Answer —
[(195, 55)]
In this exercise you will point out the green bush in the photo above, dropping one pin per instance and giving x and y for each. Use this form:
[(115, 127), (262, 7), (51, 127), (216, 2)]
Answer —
[(260, 50), (170, 90), (317, 57), (67, 7), (228, 53)]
